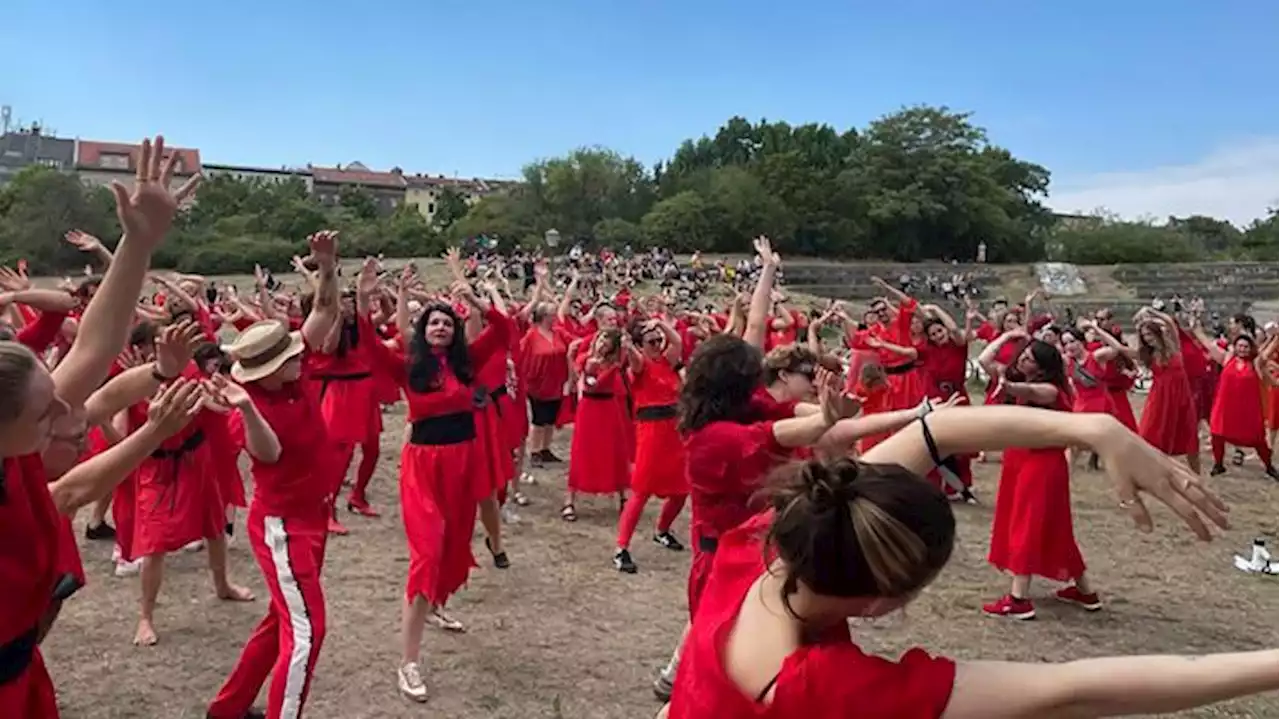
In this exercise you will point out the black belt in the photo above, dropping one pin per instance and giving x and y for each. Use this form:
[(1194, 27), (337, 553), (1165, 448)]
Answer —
[(495, 395), (708, 545), (656, 412), (325, 379), (16, 655), (174, 456), (445, 429), (900, 369), (597, 395)]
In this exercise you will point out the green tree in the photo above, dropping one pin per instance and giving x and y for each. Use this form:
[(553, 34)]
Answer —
[(684, 221), (617, 233), (1103, 240), (359, 202), (451, 206)]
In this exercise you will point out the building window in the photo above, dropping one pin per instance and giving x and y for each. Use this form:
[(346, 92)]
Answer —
[(394, 202), (113, 161), (49, 162), (431, 208)]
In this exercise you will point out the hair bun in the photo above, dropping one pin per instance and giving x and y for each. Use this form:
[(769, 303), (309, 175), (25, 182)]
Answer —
[(828, 485)]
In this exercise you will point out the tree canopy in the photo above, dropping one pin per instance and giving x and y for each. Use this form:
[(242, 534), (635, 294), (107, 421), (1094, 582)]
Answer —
[(923, 183)]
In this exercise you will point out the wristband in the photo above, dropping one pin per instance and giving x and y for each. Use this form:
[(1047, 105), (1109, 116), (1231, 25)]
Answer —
[(155, 372)]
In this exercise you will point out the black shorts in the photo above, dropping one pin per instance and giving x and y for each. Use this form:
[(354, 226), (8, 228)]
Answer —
[(544, 411)]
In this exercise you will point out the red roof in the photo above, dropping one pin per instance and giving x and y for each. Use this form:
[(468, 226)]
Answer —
[(89, 156), (470, 185), (338, 176)]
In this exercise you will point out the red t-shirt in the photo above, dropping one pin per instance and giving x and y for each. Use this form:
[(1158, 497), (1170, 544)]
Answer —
[(29, 545), (831, 677), (544, 363), (725, 463)]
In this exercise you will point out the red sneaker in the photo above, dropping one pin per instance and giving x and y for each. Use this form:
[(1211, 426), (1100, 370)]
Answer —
[(335, 527), (1073, 595), (1011, 607), (362, 508)]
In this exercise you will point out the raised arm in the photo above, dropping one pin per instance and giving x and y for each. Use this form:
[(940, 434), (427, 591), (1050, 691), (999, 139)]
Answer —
[(324, 310), (146, 215), (758, 314), (987, 360)]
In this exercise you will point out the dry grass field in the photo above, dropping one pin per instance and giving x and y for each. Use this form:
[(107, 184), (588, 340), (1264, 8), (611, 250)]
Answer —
[(561, 634)]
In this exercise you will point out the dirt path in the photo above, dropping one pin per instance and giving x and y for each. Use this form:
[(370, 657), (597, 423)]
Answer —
[(561, 634)]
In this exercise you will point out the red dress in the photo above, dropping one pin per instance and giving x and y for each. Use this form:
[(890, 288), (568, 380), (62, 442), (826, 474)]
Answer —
[(544, 363), (178, 499), (29, 526), (1031, 532), (827, 678), (1088, 380), (347, 392), (875, 400), (124, 499), (659, 469), (496, 464), (1201, 373), (725, 463), (1169, 417), (599, 457), (1238, 413), (384, 385), (437, 470), (513, 405), (1118, 385)]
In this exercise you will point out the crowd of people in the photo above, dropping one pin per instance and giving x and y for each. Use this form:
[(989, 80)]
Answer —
[(819, 480)]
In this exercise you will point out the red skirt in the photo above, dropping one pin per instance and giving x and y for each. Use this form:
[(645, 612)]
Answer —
[(225, 455), (659, 469), (1096, 399), (1239, 415), (438, 506), (568, 410), (350, 410), (385, 389), (1169, 418), (1122, 409), (599, 455), (124, 502), (907, 389), (177, 502), (30, 694), (515, 420), (1273, 407), (1031, 532), (68, 556), (494, 465), (1203, 390), (699, 573)]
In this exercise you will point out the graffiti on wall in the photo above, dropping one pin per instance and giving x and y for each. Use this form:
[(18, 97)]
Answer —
[(1061, 279)]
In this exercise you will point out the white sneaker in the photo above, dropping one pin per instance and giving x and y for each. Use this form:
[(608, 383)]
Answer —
[(116, 554), (528, 478), (509, 515), (196, 546), (128, 569), (411, 684)]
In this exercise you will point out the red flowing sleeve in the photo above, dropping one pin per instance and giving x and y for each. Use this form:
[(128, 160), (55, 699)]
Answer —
[(42, 333), (494, 338)]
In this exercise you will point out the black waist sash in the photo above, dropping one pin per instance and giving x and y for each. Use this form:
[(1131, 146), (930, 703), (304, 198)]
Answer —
[(900, 369), (174, 458), (597, 395), (16, 655), (445, 429), (656, 412), (708, 545), (495, 395), (325, 379)]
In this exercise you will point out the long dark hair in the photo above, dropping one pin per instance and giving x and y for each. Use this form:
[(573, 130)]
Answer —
[(1049, 360), (723, 374), (348, 337), (424, 365)]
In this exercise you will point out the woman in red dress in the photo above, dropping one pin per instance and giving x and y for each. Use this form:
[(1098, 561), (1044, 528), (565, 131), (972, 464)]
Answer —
[(1086, 372), (1239, 412), (895, 339), (659, 466), (438, 463), (348, 393), (1169, 417), (1031, 533), (846, 540), (944, 359), (1119, 374), (34, 399), (599, 461)]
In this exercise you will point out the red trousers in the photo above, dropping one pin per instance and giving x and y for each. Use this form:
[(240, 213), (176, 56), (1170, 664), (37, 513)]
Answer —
[(30, 695), (286, 643)]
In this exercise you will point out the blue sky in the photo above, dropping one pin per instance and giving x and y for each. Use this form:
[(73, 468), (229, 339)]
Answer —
[(1144, 107)]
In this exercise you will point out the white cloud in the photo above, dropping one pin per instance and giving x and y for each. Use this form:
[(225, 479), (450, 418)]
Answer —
[(1237, 182)]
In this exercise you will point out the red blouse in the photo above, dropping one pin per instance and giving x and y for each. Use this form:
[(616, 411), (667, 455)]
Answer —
[(544, 362), (830, 677), (657, 384), (725, 463), (29, 536)]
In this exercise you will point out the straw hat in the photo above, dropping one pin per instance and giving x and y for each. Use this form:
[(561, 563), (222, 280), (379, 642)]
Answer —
[(261, 349)]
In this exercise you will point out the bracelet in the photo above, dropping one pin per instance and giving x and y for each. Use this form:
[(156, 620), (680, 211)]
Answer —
[(155, 373), (924, 408)]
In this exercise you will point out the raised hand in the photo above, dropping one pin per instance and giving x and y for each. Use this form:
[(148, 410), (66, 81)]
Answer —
[(828, 396), (11, 281), (82, 241), (368, 280), (955, 397), (228, 393), (175, 406), (146, 212), (324, 249), (174, 347), (765, 250)]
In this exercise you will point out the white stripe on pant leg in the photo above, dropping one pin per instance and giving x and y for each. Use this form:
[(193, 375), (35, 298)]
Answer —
[(299, 619)]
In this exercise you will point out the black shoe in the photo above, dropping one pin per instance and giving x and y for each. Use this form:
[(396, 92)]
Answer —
[(623, 563), (668, 540), (546, 456), (500, 559), (1217, 469), (100, 532), (251, 714), (1238, 458), (1271, 472)]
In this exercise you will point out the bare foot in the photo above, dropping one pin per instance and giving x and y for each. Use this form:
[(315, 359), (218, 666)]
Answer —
[(146, 634), (233, 593)]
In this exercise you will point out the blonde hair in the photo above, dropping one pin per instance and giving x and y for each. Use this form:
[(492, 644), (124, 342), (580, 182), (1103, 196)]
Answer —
[(17, 362), (788, 358)]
